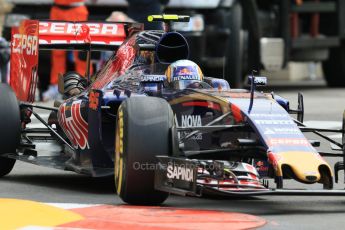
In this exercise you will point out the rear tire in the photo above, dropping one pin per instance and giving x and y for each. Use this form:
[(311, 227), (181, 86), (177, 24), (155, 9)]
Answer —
[(334, 68), (143, 131), (10, 127)]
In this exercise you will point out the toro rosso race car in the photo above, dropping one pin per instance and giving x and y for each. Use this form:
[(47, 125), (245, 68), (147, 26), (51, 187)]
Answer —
[(132, 120)]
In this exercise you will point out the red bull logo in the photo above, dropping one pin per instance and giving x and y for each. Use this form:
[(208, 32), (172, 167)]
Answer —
[(185, 73)]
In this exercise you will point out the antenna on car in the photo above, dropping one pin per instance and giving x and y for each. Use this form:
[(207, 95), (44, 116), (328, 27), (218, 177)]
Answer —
[(168, 19), (254, 81), (252, 89)]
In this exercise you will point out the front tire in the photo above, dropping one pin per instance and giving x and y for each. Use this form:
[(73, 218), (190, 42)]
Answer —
[(10, 127), (143, 131)]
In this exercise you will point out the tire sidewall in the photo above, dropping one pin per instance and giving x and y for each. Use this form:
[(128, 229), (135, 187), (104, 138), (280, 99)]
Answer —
[(134, 171), (10, 127), (9, 120)]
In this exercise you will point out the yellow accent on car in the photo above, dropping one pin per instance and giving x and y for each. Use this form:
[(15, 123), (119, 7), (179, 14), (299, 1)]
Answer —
[(151, 18), (119, 152), (302, 164), (168, 17), (200, 74), (168, 73)]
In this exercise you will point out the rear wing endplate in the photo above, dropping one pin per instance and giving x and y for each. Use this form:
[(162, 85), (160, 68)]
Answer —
[(24, 60), (33, 35)]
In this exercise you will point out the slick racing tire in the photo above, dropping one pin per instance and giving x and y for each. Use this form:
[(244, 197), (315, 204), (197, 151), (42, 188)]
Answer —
[(142, 132), (10, 127)]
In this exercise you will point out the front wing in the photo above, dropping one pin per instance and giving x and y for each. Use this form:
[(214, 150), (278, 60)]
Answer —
[(184, 182)]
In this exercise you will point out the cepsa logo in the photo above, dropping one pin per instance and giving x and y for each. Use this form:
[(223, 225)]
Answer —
[(65, 28), (25, 44)]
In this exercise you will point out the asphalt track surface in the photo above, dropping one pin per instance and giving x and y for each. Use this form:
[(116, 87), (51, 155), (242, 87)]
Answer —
[(323, 107)]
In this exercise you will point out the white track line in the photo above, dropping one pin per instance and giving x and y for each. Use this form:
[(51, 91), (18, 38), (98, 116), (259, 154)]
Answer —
[(72, 205)]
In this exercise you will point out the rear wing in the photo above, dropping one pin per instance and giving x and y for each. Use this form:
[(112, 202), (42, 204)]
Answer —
[(32, 36), (81, 35)]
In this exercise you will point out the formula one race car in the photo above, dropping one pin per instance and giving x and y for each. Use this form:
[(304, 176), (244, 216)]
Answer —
[(132, 119)]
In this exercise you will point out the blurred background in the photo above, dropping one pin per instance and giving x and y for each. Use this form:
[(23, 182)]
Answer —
[(298, 45), (292, 42)]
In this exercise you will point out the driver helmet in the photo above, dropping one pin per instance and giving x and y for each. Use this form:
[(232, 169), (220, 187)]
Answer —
[(184, 74)]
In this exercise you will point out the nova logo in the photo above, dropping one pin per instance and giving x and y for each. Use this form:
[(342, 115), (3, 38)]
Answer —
[(180, 173), (191, 120)]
